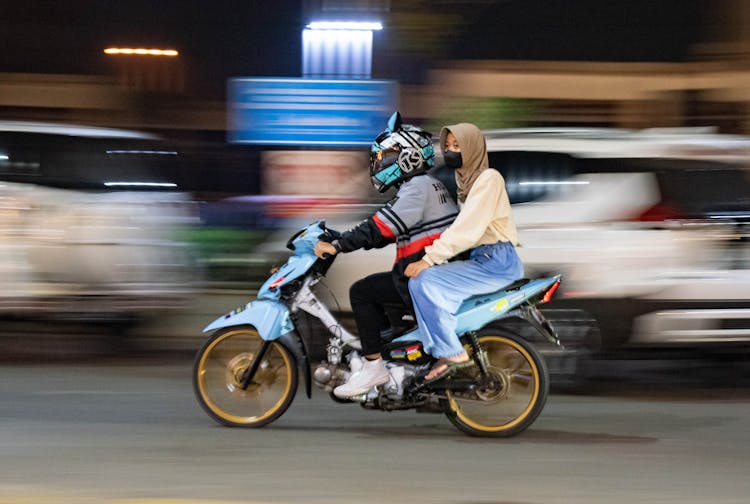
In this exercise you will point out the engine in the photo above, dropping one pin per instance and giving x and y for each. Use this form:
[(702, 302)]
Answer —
[(329, 376)]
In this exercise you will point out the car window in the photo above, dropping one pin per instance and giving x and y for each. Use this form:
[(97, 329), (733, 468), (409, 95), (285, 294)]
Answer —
[(712, 191), (689, 188), (80, 162), (528, 176)]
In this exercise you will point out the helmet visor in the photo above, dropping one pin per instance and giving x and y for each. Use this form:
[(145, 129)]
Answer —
[(383, 158)]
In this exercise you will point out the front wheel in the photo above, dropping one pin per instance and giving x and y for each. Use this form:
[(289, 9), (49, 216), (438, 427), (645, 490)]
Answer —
[(218, 372), (510, 398)]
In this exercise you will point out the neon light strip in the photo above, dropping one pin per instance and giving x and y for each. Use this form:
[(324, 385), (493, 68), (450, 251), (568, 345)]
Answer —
[(173, 153), (555, 182), (142, 184), (345, 25)]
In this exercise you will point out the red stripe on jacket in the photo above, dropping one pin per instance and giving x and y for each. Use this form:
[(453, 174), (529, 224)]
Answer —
[(383, 228), (416, 246)]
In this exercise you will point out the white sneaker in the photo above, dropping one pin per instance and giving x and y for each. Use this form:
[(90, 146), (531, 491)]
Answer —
[(372, 374)]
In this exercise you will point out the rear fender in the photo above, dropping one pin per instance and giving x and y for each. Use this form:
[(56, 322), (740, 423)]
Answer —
[(478, 311)]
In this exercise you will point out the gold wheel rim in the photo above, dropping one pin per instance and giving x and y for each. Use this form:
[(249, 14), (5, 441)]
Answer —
[(230, 371), (534, 373)]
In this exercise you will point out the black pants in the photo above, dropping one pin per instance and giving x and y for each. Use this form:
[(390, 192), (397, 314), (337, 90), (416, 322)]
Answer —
[(377, 305)]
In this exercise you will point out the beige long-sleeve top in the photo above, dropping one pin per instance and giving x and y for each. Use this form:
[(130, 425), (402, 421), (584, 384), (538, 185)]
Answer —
[(485, 218)]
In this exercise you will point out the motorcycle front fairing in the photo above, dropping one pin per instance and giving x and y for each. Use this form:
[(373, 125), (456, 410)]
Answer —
[(268, 314), (295, 267), (303, 245)]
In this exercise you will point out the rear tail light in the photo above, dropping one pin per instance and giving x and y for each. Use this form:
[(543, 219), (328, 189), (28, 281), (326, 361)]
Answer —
[(550, 292)]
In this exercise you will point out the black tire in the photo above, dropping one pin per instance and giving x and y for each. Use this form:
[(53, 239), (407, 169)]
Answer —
[(518, 396), (219, 365)]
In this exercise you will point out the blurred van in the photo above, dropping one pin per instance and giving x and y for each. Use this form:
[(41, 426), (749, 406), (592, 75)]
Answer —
[(90, 224)]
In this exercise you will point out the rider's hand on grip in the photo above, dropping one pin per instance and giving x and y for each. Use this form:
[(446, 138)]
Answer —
[(324, 250)]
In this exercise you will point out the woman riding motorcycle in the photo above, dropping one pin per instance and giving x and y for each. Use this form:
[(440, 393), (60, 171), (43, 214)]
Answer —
[(486, 228)]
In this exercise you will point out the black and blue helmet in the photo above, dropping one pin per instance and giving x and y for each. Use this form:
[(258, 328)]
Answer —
[(399, 153)]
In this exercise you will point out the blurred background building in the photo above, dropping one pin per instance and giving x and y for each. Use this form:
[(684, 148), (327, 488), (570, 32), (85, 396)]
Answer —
[(166, 68), (698, 77)]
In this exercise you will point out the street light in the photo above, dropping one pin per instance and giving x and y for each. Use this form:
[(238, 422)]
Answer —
[(140, 51), (147, 68), (338, 49)]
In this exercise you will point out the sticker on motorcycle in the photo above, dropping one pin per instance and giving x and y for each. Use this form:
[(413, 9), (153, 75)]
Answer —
[(413, 353), (236, 311), (398, 354), (500, 305)]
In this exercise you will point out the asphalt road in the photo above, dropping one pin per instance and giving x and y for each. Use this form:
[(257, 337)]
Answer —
[(131, 433)]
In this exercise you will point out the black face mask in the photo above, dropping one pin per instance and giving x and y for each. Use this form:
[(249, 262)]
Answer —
[(453, 159)]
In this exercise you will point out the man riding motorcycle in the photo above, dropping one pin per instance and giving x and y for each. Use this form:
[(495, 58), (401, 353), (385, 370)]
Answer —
[(421, 210)]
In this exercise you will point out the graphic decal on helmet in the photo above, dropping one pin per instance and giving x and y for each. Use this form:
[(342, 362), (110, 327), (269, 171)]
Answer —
[(409, 160), (399, 153)]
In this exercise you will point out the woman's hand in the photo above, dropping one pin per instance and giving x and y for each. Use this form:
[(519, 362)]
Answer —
[(322, 248), (415, 268)]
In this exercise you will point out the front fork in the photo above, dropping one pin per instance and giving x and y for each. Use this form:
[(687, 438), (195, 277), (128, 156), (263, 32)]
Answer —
[(249, 373)]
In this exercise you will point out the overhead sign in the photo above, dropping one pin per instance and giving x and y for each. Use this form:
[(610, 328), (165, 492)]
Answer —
[(309, 112)]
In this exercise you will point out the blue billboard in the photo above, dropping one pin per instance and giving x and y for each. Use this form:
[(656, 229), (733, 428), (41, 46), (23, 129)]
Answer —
[(309, 112)]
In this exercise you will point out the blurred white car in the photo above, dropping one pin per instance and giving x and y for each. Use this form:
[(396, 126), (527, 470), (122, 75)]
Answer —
[(648, 228)]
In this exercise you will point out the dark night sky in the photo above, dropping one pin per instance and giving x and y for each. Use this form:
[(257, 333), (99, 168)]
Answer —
[(223, 38), (216, 38), (604, 30)]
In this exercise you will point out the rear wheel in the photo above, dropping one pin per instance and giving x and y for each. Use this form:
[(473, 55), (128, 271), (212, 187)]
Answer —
[(513, 396), (218, 372)]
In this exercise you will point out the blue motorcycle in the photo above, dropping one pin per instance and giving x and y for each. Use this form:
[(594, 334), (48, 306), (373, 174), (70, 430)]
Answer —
[(247, 373)]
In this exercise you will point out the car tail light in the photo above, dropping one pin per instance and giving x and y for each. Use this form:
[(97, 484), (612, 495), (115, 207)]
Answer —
[(550, 292), (659, 212)]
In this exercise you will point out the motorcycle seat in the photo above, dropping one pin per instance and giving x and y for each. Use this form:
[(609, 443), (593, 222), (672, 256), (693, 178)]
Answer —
[(513, 286)]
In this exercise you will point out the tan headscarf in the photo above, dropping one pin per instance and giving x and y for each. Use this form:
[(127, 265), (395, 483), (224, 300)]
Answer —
[(473, 153)]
